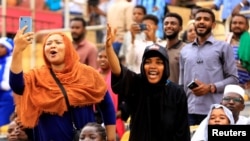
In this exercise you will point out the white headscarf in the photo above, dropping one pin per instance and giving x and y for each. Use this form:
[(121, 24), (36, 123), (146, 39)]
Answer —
[(201, 132)]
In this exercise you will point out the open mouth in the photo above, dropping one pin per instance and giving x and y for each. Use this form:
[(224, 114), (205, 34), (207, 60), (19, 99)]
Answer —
[(53, 52), (102, 64), (152, 74)]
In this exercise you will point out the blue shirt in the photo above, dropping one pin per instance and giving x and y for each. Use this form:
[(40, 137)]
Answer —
[(149, 5), (228, 6), (213, 62), (53, 127), (6, 99)]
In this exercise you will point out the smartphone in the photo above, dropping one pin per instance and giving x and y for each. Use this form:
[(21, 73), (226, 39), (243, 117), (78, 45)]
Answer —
[(143, 27), (192, 85), (25, 20)]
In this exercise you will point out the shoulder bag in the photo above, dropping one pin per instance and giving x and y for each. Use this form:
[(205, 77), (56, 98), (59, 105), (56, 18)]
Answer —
[(75, 130)]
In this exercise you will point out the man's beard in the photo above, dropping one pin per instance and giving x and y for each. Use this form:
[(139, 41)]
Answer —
[(172, 36), (238, 34), (78, 38), (205, 33)]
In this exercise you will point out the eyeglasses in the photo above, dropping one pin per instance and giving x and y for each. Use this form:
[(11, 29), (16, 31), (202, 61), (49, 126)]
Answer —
[(235, 99)]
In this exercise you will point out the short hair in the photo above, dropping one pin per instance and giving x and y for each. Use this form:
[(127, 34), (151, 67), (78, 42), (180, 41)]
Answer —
[(101, 130), (239, 15), (151, 17), (196, 7), (141, 7), (84, 24), (192, 9), (177, 16), (206, 10)]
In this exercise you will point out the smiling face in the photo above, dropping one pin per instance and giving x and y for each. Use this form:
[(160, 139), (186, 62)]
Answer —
[(55, 50), (218, 117), (154, 67), (102, 60), (171, 27)]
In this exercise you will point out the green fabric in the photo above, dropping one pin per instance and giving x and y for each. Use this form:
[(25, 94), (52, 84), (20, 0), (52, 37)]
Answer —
[(244, 50)]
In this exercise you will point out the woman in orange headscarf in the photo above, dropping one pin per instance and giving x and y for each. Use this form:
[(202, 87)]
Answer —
[(40, 104)]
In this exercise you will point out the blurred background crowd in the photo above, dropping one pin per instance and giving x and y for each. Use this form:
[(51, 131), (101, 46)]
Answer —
[(57, 15)]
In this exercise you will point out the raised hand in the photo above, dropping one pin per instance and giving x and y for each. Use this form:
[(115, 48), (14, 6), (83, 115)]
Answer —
[(111, 55), (23, 40), (110, 36)]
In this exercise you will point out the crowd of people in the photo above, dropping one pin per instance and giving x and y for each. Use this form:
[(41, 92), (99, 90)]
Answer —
[(162, 77)]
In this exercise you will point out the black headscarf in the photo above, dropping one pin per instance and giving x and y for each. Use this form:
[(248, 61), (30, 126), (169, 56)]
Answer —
[(156, 50)]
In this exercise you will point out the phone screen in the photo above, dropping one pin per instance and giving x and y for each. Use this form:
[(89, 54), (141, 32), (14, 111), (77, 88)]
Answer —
[(25, 20)]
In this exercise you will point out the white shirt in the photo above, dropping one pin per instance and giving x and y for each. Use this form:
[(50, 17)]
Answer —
[(243, 120), (135, 52)]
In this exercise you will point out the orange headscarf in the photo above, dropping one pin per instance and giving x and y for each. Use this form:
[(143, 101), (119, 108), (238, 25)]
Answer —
[(84, 86)]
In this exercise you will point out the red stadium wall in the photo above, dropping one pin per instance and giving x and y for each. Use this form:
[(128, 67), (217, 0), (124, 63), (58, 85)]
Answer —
[(42, 19)]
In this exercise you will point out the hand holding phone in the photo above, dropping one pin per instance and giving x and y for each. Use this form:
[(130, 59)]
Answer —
[(143, 27), (192, 85), (25, 21)]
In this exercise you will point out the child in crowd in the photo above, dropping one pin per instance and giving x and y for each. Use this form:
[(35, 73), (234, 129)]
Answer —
[(16, 132), (93, 131), (218, 115), (6, 99)]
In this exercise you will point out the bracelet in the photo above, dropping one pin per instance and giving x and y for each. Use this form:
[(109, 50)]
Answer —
[(241, 4)]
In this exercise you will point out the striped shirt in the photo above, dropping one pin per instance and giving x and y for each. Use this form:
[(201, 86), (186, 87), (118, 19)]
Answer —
[(244, 75)]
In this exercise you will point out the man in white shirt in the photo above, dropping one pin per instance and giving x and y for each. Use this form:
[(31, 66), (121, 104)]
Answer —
[(137, 47)]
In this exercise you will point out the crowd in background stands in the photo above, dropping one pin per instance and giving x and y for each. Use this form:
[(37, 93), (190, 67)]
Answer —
[(226, 62)]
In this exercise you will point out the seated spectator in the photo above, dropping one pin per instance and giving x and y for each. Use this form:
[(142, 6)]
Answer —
[(16, 132), (233, 99), (218, 115), (93, 131)]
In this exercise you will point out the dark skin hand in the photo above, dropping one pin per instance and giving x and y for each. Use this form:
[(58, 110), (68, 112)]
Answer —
[(202, 88)]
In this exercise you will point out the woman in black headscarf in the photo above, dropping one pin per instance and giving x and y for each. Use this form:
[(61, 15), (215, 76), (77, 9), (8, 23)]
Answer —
[(158, 107)]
